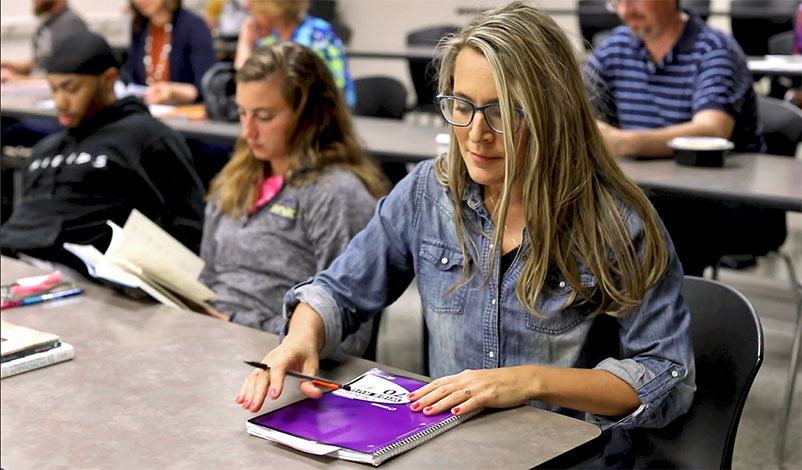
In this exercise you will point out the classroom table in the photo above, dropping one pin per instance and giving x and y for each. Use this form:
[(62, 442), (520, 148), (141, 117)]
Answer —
[(776, 65), (385, 139), (153, 387), (761, 180), (767, 181)]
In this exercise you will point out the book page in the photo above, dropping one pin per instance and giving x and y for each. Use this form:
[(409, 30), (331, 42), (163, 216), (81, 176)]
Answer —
[(144, 244)]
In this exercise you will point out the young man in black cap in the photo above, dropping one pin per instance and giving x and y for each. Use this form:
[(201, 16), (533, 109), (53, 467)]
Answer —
[(113, 157)]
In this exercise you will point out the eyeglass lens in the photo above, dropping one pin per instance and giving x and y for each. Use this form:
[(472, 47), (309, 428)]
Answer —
[(461, 113)]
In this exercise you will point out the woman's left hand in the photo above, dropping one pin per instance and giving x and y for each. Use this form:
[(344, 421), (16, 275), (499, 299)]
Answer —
[(159, 93), (474, 389)]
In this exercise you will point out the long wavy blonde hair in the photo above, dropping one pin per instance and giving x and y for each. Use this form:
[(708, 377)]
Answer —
[(572, 187), (322, 134)]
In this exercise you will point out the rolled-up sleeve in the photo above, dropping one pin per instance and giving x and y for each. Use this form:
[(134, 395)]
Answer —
[(656, 354), (374, 270)]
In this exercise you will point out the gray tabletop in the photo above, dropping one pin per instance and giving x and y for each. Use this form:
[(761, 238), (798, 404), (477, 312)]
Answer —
[(768, 181), (761, 180), (779, 65), (153, 387)]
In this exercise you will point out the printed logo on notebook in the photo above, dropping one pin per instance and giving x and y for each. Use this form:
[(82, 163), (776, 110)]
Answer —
[(375, 389)]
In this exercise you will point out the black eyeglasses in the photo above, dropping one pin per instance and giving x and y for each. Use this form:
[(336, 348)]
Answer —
[(460, 112)]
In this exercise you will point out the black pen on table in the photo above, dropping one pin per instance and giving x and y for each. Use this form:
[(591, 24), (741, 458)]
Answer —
[(315, 380)]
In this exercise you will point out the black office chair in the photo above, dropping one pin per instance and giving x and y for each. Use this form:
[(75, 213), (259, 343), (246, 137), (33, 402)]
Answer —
[(753, 22), (697, 7), (595, 22), (384, 97), (782, 125), (380, 96), (727, 341), (424, 71), (783, 44), (782, 129)]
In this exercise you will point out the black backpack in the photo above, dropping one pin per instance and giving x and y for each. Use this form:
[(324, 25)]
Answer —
[(219, 88)]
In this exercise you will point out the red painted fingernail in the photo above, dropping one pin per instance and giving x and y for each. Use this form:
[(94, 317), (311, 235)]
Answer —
[(238, 399), (455, 410), (415, 405), (273, 393), (410, 396), (427, 409), (247, 404)]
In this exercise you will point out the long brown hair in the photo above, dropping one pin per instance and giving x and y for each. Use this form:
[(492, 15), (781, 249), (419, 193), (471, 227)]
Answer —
[(573, 190), (322, 134), (138, 20)]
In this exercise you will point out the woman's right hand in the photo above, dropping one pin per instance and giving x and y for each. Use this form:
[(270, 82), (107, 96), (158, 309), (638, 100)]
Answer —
[(299, 356), (298, 352)]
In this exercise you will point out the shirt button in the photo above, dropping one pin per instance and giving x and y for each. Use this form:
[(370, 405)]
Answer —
[(562, 283), (493, 301), (674, 373), (444, 260), (491, 354)]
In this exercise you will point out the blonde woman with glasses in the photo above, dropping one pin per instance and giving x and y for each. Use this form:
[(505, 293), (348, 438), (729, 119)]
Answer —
[(544, 274)]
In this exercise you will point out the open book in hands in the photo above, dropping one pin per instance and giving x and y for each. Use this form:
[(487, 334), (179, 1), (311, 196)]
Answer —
[(142, 255)]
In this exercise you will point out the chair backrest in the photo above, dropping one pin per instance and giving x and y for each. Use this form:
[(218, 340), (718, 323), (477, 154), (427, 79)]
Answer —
[(380, 96), (727, 340), (423, 71), (782, 125), (699, 7), (594, 18), (753, 22), (782, 44)]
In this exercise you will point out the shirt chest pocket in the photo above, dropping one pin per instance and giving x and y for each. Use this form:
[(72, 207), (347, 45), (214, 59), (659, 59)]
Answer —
[(553, 305), (440, 268)]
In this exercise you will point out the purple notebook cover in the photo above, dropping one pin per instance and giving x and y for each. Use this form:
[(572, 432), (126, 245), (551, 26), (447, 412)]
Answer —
[(353, 424)]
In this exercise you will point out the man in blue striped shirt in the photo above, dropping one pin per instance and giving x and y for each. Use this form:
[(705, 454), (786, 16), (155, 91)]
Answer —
[(663, 74)]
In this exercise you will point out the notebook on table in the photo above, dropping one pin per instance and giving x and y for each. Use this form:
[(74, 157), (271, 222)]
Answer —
[(370, 423)]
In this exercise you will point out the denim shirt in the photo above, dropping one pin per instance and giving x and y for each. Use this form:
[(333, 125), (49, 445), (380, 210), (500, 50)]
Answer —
[(483, 325)]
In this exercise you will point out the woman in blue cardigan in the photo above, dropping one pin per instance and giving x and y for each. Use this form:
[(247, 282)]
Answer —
[(171, 48)]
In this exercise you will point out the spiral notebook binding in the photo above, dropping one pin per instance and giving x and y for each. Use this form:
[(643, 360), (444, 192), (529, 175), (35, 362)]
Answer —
[(419, 438)]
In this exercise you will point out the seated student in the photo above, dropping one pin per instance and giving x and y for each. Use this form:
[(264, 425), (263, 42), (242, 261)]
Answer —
[(272, 21), (58, 22), (665, 73), (171, 48), (297, 189), (544, 274), (112, 158)]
